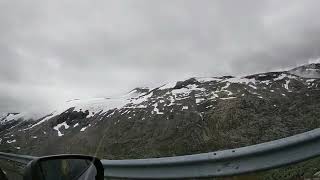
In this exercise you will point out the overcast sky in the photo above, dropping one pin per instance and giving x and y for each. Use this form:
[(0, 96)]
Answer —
[(52, 50)]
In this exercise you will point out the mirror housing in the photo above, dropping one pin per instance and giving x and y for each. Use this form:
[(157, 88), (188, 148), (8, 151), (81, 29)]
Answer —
[(61, 167)]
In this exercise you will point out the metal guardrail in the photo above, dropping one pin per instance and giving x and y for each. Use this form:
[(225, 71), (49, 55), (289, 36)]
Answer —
[(16, 158), (231, 162), (243, 160)]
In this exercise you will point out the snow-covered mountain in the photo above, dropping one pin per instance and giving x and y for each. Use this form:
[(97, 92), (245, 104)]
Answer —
[(22, 116), (194, 115), (88, 106), (307, 71)]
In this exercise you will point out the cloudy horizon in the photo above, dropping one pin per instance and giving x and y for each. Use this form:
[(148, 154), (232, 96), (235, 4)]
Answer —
[(55, 51)]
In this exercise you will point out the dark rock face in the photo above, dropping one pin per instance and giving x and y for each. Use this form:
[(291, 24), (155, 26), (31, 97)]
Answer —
[(192, 116), (182, 84), (70, 116)]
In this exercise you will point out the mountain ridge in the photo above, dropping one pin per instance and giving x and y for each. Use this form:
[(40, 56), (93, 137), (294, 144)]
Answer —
[(311, 71), (191, 116)]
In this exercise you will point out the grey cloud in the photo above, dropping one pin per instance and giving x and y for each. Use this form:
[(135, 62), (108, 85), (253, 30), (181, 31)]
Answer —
[(53, 51)]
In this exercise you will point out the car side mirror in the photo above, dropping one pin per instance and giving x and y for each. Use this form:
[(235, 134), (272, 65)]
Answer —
[(64, 167)]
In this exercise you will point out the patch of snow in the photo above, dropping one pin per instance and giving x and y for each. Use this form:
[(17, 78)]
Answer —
[(11, 141), (214, 95), (240, 80), (172, 100), (156, 110), (210, 106), (187, 90), (224, 89), (84, 128), (142, 99), (228, 98), (109, 115), (184, 93), (207, 79), (199, 100), (77, 124), (310, 80), (267, 82), (125, 112), (57, 127), (311, 69), (226, 86), (283, 75), (168, 86), (201, 116), (141, 106), (185, 108), (252, 86), (91, 114), (286, 85)]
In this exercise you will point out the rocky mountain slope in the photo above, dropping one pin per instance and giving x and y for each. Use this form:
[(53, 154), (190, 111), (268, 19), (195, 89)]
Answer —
[(186, 117)]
